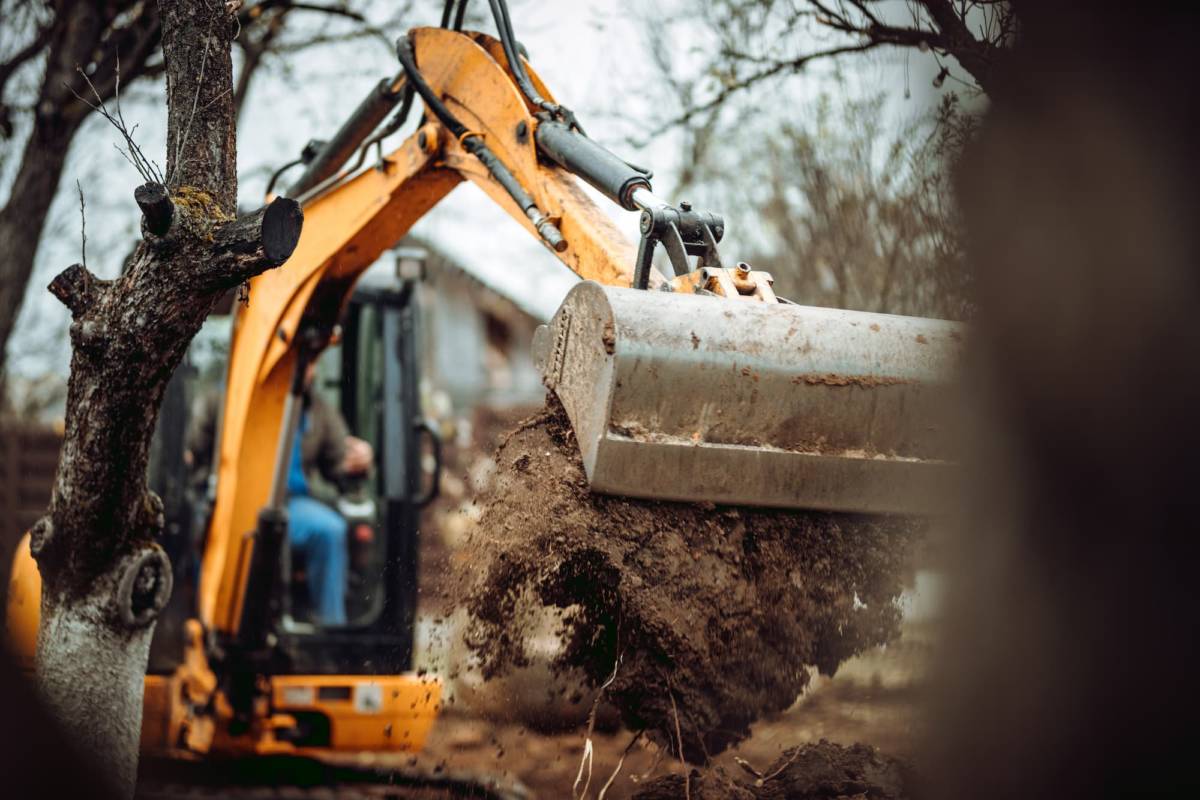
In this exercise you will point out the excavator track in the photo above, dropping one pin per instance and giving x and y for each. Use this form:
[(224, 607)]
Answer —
[(299, 778)]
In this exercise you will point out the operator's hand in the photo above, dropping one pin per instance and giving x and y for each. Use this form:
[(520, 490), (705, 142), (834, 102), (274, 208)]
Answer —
[(359, 456)]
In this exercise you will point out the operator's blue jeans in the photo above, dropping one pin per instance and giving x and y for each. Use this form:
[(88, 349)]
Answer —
[(319, 532)]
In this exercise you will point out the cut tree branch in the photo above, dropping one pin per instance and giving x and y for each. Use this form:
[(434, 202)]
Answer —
[(76, 287), (255, 243), (157, 209)]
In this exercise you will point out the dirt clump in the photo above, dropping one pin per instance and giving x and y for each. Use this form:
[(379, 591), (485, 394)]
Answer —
[(811, 772), (696, 620)]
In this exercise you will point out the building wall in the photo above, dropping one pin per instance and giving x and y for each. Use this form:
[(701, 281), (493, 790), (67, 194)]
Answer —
[(28, 460), (476, 348)]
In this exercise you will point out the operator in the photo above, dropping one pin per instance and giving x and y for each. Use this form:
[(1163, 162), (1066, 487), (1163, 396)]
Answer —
[(323, 446)]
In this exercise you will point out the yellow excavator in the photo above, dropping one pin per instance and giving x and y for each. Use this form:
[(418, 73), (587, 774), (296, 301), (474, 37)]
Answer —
[(684, 378)]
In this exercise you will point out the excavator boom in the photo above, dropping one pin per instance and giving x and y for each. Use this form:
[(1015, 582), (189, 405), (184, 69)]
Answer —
[(351, 218)]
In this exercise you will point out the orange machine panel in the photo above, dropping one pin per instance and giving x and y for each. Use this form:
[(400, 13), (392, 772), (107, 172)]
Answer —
[(365, 712)]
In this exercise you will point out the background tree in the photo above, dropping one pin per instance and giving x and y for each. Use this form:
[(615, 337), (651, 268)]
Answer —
[(49, 49), (844, 213), (104, 576), (844, 203), (69, 40), (757, 41)]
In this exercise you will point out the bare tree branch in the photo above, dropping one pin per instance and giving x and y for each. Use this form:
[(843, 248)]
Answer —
[(335, 11), (35, 46), (760, 32), (138, 40), (254, 48), (132, 152), (948, 33), (114, 43), (731, 89), (363, 29), (82, 225)]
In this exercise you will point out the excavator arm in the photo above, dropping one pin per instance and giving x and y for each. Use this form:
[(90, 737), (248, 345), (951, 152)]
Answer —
[(347, 225), (701, 385)]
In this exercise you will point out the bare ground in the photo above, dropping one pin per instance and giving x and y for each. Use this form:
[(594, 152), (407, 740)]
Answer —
[(874, 700)]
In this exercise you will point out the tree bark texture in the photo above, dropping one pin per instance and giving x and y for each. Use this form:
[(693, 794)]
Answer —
[(104, 576)]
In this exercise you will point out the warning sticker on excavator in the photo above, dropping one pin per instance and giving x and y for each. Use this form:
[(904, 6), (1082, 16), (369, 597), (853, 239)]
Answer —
[(368, 698), (299, 696)]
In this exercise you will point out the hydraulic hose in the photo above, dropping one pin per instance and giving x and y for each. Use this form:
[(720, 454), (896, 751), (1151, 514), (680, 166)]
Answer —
[(473, 143), (508, 41), (370, 112), (448, 11)]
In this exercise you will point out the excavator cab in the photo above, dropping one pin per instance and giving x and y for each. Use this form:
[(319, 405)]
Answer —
[(327, 683)]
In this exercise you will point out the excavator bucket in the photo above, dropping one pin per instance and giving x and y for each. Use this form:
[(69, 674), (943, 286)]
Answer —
[(692, 397)]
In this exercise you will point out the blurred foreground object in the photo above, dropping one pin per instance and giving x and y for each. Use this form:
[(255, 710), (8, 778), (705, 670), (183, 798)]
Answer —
[(1072, 607)]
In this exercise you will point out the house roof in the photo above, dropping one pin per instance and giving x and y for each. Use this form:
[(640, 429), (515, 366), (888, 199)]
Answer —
[(535, 286)]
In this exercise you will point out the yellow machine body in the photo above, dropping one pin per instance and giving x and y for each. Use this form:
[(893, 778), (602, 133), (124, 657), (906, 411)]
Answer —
[(345, 230), (365, 712)]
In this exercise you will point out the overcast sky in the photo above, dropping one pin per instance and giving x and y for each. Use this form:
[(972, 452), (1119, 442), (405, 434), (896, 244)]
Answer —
[(591, 53)]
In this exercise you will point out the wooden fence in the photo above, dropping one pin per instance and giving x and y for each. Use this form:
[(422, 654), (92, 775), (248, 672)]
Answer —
[(28, 458)]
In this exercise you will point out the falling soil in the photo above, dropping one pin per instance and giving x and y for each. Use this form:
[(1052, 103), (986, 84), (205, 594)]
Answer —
[(810, 772), (696, 620)]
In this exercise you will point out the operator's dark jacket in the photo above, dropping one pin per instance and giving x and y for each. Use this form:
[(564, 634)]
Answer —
[(322, 447)]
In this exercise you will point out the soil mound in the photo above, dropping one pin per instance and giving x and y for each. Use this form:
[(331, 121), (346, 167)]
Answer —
[(817, 771), (695, 619)]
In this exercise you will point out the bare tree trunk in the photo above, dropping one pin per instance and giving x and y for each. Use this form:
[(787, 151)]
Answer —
[(105, 578), (90, 672), (57, 117), (22, 220)]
